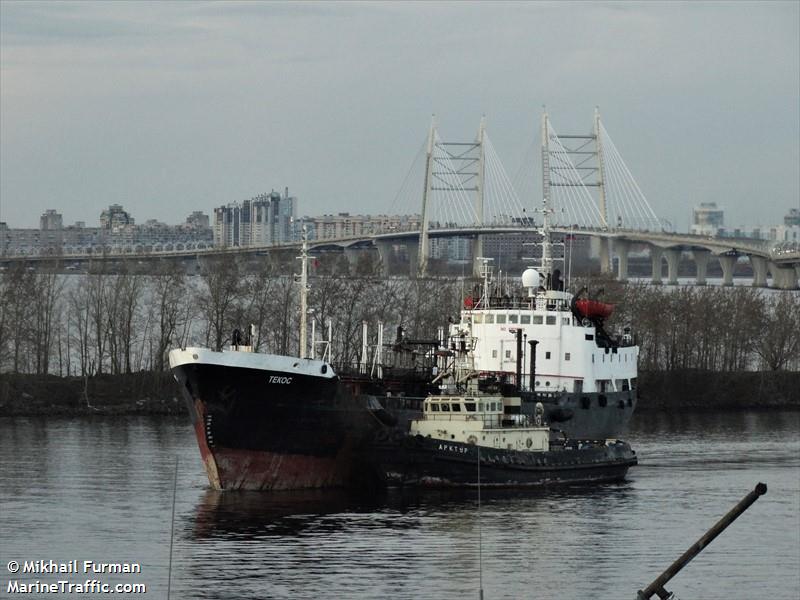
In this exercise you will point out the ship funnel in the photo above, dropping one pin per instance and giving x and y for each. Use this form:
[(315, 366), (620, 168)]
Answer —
[(531, 280)]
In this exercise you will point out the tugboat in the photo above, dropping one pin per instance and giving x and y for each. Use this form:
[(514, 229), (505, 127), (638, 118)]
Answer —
[(483, 440)]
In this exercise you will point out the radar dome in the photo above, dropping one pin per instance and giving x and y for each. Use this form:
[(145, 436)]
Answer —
[(530, 278)]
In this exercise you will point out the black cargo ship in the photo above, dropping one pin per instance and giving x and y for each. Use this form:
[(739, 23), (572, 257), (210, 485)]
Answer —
[(267, 422)]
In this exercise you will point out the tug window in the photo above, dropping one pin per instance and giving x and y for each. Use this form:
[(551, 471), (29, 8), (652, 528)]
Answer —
[(434, 407), (565, 320), (566, 356), (445, 407), (494, 353), (456, 407), (477, 319), (508, 353), (537, 319), (512, 318), (633, 383), (625, 385), (501, 318), (469, 406), (525, 319), (547, 355), (480, 406), (490, 318), (551, 320)]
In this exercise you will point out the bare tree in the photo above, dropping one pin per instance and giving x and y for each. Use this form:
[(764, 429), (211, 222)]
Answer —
[(778, 342), (221, 294)]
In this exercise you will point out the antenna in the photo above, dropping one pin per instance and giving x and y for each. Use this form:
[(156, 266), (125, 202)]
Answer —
[(304, 293)]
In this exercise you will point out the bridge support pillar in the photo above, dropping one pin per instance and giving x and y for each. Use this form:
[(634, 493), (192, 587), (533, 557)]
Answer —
[(656, 254), (673, 260), (622, 247), (386, 252), (412, 251), (784, 278), (759, 264), (727, 263), (605, 255), (477, 252), (701, 263)]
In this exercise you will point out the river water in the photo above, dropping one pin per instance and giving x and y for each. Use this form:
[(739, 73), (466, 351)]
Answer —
[(101, 489)]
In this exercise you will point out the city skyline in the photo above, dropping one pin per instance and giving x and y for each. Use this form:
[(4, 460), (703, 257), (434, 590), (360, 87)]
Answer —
[(168, 108)]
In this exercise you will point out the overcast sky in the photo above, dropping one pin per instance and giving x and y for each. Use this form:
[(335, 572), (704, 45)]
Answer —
[(168, 108)]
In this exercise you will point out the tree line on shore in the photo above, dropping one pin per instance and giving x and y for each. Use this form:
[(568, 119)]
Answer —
[(98, 323)]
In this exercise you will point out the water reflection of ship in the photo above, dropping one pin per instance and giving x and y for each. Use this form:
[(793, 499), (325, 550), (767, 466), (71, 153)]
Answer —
[(247, 514)]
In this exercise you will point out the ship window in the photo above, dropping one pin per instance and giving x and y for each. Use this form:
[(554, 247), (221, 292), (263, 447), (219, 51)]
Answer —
[(537, 319), (512, 318), (501, 318), (494, 353), (434, 407), (566, 356), (508, 353), (480, 406), (490, 318), (477, 319), (551, 320), (547, 384), (525, 319), (469, 406), (456, 407), (565, 320), (592, 357), (633, 383), (445, 407), (589, 337), (625, 385), (547, 355), (537, 384), (577, 386)]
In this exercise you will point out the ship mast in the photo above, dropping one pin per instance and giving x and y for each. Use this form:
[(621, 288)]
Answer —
[(304, 293)]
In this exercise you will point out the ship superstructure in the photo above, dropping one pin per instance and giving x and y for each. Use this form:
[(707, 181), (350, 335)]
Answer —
[(551, 346)]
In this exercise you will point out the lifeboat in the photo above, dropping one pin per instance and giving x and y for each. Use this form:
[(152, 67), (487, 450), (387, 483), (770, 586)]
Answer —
[(593, 309)]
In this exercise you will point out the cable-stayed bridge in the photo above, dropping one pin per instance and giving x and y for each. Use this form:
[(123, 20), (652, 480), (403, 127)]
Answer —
[(462, 189)]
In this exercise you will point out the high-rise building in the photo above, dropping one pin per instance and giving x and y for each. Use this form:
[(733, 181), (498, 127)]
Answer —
[(51, 220), (197, 220), (261, 221), (707, 219), (115, 217)]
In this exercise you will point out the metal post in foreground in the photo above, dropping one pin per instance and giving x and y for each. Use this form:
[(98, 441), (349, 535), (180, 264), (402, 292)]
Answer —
[(657, 587)]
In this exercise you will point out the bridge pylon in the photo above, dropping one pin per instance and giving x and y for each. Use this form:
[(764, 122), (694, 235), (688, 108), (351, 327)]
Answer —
[(424, 242)]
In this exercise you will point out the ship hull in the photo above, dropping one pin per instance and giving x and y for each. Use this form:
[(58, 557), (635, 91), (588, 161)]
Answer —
[(263, 424), (428, 462), (588, 416)]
